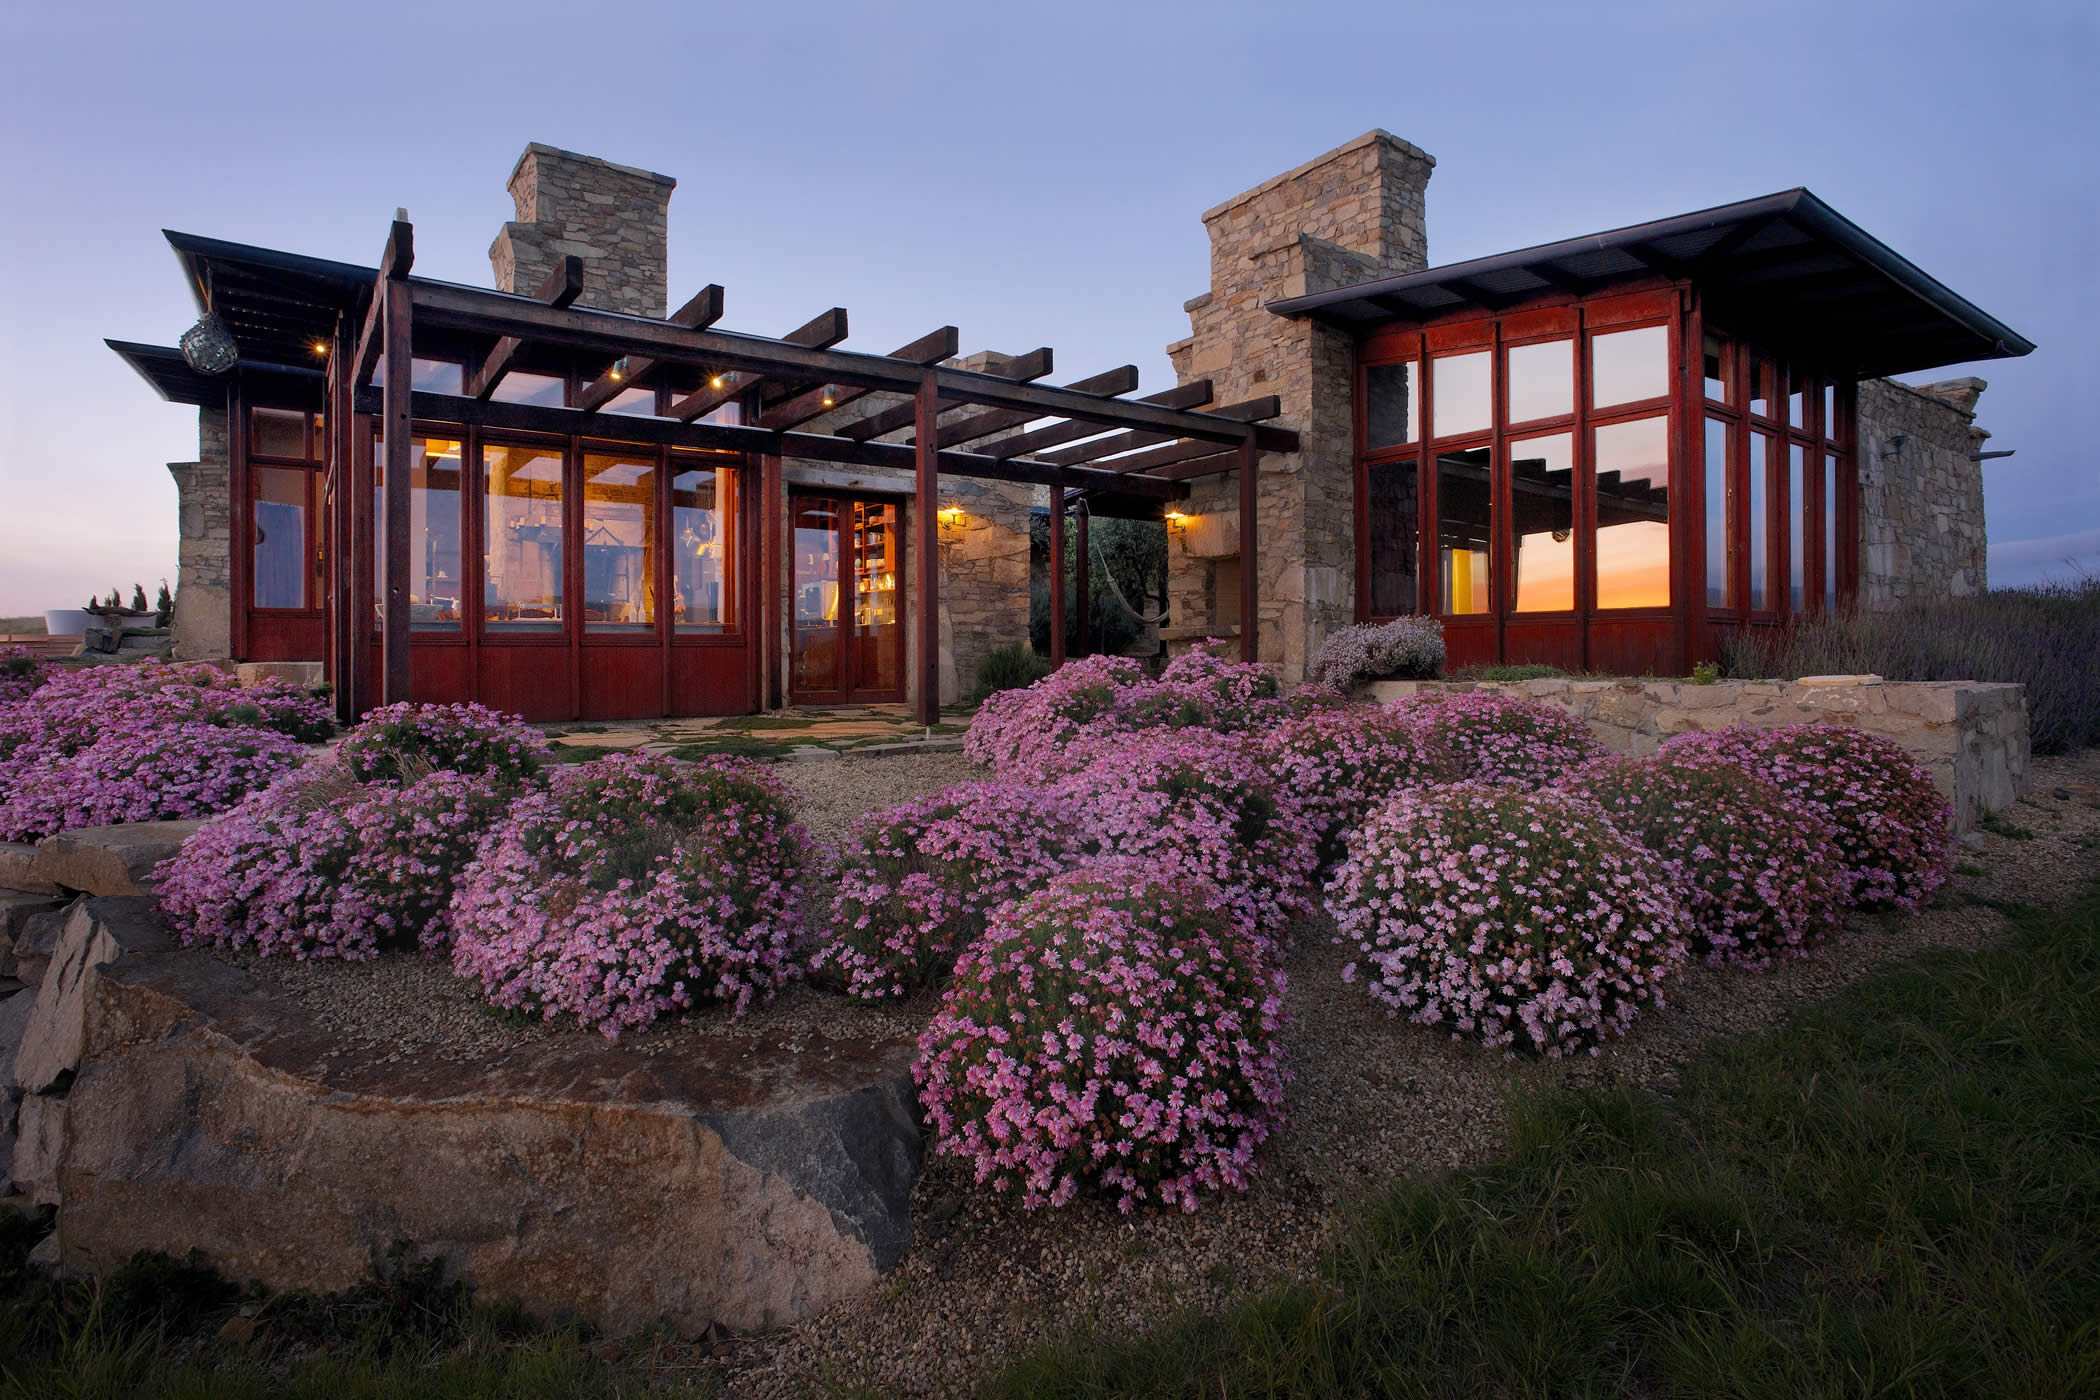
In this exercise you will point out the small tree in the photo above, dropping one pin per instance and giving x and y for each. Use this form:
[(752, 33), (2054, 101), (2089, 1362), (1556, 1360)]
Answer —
[(138, 597), (163, 606)]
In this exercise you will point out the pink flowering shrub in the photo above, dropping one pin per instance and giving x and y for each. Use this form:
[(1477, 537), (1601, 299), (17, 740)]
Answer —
[(75, 705), (1411, 647), (20, 673), (1757, 870), (128, 773), (1205, 805), (464, 738), (1019, 733), (917, 880), (1503, 739), (1344, 763), (1114, 1032), (1518, 919), (1893, 830), (1201, 689), (318, 865), (634, 887)]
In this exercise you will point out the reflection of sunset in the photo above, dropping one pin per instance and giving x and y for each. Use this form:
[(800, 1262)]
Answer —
[(1545, 573), (1633, 565)]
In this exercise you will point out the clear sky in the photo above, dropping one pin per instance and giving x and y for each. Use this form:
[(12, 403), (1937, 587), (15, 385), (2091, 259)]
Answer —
[(1033, 174)]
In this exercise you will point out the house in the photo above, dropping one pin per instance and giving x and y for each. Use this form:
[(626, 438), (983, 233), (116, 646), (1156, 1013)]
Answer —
[(556, 498)]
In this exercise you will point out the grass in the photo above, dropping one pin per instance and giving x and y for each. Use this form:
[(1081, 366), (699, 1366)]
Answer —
[(1897, 1193), (737, 745)]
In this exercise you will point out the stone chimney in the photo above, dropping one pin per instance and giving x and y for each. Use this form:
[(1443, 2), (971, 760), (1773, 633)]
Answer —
[(1351, 215), (614, 217)]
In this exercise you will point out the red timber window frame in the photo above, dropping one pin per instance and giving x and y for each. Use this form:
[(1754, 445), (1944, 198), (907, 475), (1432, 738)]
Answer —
[(276, 459)]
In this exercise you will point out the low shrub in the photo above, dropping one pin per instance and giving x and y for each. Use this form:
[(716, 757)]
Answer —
[(1202, 689), (1892, 829), (1757, 870), (1343, 763), (129, 772), (20, 673), (1518, 919), (398, 738), (75, 705), (1504, 739), (1411, 648), (1020, 732), (917, 880), (634, 887), (1114, 1032), (1014, 666)]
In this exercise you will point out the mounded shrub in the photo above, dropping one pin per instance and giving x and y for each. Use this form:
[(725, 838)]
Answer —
[(1014, 666), (1504, 739), (1114, 1032), (1757, 869), (634, 887), (1020, 733), (408, 737), (1411, 648), (917, 880), (132, 773), (1517, 919), (1202, 689), (1343, 763), (1203, 804), (1892, 828), (20, 673)]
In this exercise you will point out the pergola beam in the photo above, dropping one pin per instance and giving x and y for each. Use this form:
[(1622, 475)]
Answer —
[(925, 515), (626, 372), (560, 287), (394, 264), (928, 349), (1251, 411), (817, 334), (1033, 365)]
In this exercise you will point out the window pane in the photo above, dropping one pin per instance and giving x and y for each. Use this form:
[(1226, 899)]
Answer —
[(1463, 404), (638, 403), (1395, 529), (703, 547), (1830, 533), (1796, 516), (1542, 522), (1760, 386), (1632, 466), (546, 390), (818, 656), (521, 539), (277, 432), (1720, 517), (1464, 527), (1392, 408), (1720, 370), (1830, 411), (1796, 398), (1628, 366), (878, 618), (619, 543), (1762, 593), (428, 376), (435, 590), (280, 534), (1541, 380)]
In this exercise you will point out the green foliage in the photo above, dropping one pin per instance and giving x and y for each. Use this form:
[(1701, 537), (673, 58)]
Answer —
[(1014, 666), (1705, 673), (1516, 671), (1134, 551), (163, 606)]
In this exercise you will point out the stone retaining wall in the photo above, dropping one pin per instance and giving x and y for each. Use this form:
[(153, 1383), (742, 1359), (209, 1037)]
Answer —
[(1970, 735)]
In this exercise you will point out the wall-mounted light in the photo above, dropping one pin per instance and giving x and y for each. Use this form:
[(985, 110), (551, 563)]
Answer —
[(831, 394), (320, 347), (1175, 517), (618, 371), (952, 515)]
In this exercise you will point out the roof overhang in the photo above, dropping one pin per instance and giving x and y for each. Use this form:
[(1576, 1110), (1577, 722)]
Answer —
[(1786, 269)]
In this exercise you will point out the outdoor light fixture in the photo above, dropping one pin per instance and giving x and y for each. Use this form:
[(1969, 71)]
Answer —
[(320, 347), (830, 393), (208, 347), (618, 371), (1175, 517)]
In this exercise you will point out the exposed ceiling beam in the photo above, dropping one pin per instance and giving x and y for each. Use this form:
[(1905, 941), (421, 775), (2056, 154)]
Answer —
[(1022, 368), (1252, 411), (560, 287), (942, 344), (628, 371), (1193, 395), (732, 383)]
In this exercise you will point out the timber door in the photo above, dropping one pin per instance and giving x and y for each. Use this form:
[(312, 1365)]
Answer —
[(848, 604)]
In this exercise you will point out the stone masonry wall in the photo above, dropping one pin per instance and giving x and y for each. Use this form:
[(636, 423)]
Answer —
[(1970, 735), (1921, 496), (1353, 213), (203, 623), (614, 217)]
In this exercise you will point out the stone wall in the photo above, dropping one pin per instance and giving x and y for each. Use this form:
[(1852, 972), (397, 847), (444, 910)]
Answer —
[(1970, 735), (203, 625), (1921, 495), (1353, 213), (614, 217)]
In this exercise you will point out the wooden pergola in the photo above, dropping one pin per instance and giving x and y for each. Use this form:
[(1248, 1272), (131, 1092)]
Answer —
[(1085, 438)]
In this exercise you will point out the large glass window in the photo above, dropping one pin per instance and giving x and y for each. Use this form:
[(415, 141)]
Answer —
[(1796, 523), (1763, 594), (435, 581), (1395, 525), (639, 403), (545, 390), (703, 546), (426, 376), (1632, 482), (521, 538), (1720, 515), (1463, 402), (1830, 532), (279, 510), (1541, 381), (619, 543), (1719, 357), (278, 432), (1464, 530), (1542, 511), (1392, 409), (1760, 385), (1629, 366)]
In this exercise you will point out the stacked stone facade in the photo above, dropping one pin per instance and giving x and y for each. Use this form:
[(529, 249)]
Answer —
[(1920, 492), (614, 217), (1349, 215), (204, 599)]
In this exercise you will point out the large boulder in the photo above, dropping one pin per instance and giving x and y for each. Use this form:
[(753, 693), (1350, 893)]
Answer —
[(17, 908), (18, 869), (113, 860), (34, 946), (96, 934), (747, 1180)]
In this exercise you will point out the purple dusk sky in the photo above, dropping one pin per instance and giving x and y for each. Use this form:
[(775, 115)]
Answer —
[(1032, 174)]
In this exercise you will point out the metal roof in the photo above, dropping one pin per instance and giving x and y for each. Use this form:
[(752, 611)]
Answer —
[(1786, 269)]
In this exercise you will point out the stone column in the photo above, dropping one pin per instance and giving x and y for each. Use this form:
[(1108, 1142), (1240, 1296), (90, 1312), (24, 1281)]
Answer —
[(1922, 532), (203, 625)]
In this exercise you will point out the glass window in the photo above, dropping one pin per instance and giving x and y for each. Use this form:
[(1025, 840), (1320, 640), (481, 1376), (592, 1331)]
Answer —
[(1542, 522), (435, 579), (619, 543), (1629, 366), (1541, 381), (1762, 593), (1463, 403), (545, 390), (1720, 370), (1720, 516), (1760, 386), (1464, 529), (878, 617), (521, 538), (279, 513), (1830, 411), (1796, 521), (277, 432), (1631, 465), (1395, 530), (427, 376), (1796, 398), (1830, 533), (703, 547), (1392, 407), (637, 402), (818, 654)]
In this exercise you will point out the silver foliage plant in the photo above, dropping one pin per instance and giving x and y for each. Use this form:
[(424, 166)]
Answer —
[(1411, 648)]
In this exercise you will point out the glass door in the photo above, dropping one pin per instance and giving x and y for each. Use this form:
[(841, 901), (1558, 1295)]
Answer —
[(848, 617)]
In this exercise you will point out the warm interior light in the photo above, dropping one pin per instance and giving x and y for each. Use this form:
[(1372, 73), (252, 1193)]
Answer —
[(320, 347)]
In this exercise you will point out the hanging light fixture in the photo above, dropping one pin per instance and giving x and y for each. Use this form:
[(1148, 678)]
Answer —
[(208, 347)]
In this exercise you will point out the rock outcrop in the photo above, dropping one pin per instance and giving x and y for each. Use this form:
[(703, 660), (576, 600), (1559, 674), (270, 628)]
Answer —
[(112, 860)]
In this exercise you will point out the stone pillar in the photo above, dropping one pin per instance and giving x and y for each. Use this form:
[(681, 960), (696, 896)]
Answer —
[(614, 217), (203, 625), (1922, 532), (1352, 214)]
